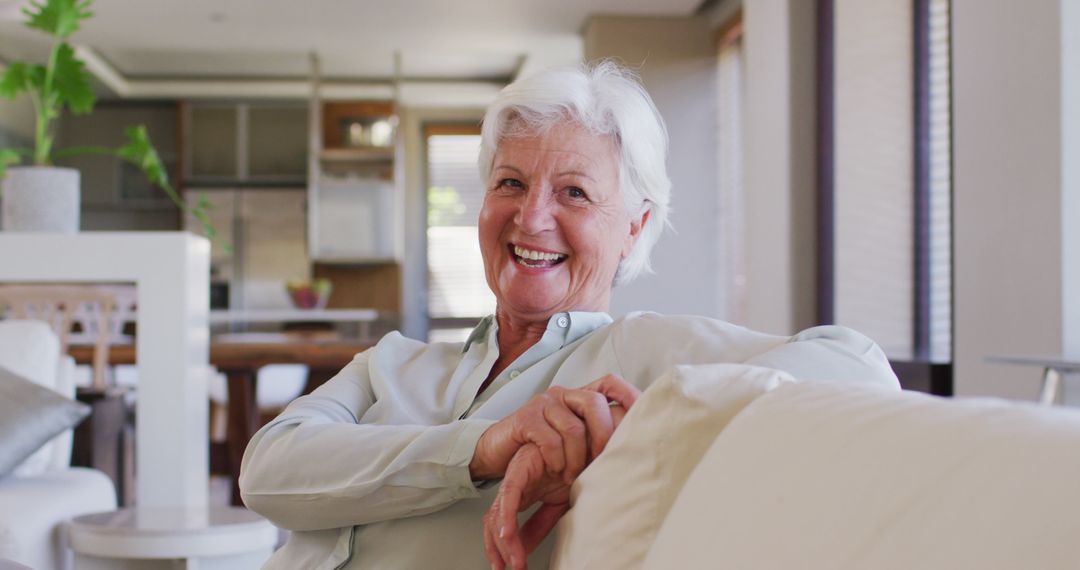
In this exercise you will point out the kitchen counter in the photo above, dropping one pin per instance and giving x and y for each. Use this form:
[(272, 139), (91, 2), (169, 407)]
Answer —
[(293, 315)]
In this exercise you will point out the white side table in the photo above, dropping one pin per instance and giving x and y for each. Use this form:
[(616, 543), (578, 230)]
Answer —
[(1054, 369), (175, 538)]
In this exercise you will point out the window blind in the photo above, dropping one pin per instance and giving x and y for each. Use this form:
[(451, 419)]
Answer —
[(940, 184), (874, 181), (457, 287)]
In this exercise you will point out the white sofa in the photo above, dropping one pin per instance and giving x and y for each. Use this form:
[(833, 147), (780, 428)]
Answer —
[(44, 491), (731, 466)]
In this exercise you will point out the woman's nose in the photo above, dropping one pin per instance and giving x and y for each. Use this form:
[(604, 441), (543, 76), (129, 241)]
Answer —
[(535, 212)]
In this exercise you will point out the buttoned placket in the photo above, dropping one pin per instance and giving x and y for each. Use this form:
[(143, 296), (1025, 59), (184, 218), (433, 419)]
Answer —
[(554, 338), (562, 329)]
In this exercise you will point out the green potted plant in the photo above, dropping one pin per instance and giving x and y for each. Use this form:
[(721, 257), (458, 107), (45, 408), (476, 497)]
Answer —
[(43, 197)]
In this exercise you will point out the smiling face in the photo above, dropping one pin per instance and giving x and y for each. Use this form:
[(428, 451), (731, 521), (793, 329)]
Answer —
[(554, 225)]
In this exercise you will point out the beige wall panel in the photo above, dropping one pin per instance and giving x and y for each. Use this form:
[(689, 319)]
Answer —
[(1008, 190), (676, 58)]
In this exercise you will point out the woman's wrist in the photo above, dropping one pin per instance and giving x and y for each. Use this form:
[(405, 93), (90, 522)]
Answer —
[(480, 466), (479, 470)]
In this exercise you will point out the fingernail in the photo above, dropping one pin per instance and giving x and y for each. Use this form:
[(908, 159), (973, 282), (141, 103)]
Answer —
[(513, 561), (502, 531)]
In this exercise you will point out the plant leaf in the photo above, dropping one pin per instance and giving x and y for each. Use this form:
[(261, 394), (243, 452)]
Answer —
[(72, 82), (8, 157), (21, 77), (59, 18), (140, 152)]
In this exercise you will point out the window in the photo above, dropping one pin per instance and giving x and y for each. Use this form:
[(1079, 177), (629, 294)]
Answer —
[(458, 295), (887, 180), (874, 185), (937, 156)]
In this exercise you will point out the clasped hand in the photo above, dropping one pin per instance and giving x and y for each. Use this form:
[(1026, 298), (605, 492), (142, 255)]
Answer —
[(539, 451)]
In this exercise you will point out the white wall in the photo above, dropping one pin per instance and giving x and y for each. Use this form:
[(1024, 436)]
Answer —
[(17, 117), (780, 169), (676, 58), (1016, 188)]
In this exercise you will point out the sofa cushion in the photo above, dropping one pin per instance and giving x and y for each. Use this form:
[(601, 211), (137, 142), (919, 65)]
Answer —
[(35, 509), (620, 500), (838, 476), (30, 416)]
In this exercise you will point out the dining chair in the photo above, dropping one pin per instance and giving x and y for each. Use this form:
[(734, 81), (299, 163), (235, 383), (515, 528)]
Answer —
[(63, 307)]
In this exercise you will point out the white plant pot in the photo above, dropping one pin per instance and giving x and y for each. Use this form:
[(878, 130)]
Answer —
[(40, 199)]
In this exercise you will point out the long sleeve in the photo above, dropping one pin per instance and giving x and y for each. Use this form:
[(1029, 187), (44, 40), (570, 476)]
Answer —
[(318, 466), (830, 353), (648, 344)]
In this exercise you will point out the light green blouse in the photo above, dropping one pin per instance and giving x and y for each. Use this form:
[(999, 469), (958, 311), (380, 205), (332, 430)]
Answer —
[(371, 469)]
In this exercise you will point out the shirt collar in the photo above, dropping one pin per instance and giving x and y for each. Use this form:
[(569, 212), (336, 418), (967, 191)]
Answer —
[(572, 325), (479, 332)]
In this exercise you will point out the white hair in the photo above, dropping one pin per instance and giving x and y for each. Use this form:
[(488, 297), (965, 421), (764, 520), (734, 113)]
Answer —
[(606, 99)]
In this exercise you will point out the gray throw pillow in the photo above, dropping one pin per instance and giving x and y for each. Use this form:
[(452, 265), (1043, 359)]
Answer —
[(31, 415)]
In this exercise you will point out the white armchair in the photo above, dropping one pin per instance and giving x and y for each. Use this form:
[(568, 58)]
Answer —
[(44, 491)]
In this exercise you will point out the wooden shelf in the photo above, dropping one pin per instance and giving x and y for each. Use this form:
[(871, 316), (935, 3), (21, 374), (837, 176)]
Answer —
[(358, 154), (357, 182), (334, 112)]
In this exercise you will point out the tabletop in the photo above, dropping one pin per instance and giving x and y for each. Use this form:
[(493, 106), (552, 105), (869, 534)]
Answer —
[(1057, 362), (236, 351)]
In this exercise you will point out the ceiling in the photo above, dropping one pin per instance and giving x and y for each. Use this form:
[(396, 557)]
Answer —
[(178, 43)]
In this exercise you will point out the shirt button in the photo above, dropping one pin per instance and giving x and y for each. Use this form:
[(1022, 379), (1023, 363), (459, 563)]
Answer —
[(563, 322), (514, 374)]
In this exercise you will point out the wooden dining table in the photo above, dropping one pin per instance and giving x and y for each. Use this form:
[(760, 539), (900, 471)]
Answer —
[(239, 357)]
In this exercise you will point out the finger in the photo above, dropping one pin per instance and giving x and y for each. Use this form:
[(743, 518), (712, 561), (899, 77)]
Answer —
[(594, 408), (573, 432), (490, 551), (501, 532), (546, 439), (508, 539), (617, 414), (511, 494), (617, 389), (540, 524)]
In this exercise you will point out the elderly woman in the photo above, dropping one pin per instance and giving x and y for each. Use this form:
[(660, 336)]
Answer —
[(395, 461)]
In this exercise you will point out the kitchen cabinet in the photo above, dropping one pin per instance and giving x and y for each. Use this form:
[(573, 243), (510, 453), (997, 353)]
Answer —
[(108, 180), (115, 195), (352, 194), (266, 228), (251, 143)]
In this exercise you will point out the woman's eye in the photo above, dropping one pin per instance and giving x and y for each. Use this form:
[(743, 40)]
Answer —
[(576, 193), (510, 183)]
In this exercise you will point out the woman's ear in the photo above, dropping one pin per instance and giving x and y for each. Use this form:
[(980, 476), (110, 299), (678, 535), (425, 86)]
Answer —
[(637, 223)]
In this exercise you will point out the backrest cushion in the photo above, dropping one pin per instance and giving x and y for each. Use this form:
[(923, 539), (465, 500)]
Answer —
[(840, 476), (31, 350), (620, 500)]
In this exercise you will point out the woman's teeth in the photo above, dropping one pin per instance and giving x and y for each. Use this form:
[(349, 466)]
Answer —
[(537, 258)]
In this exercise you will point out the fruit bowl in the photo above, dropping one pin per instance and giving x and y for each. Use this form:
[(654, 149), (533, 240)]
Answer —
[(309, 294)]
